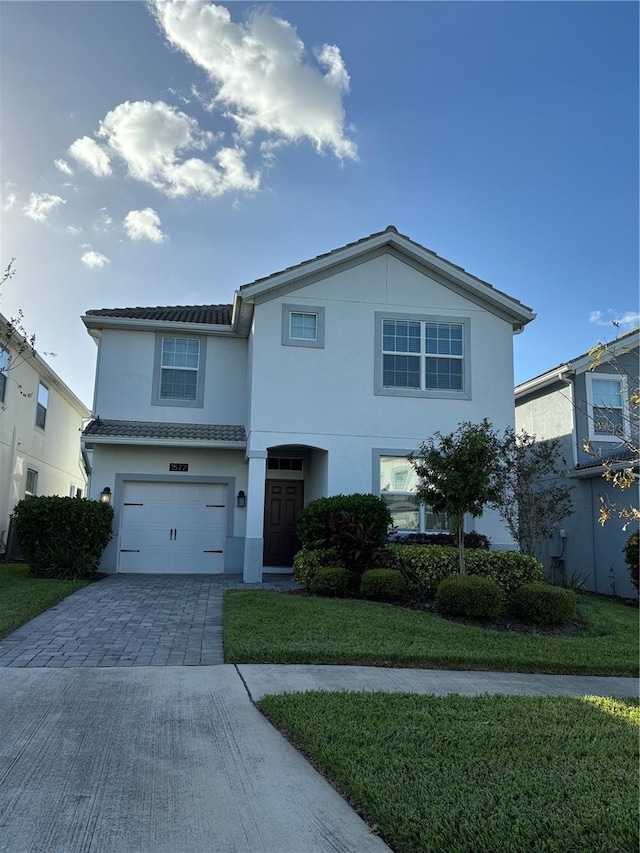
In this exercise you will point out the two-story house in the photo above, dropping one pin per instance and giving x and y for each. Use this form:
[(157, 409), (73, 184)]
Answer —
[(41, 422), (586, 404), (213, 425)]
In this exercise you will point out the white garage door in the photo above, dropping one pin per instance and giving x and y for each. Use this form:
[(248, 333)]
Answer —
[(173, 528)]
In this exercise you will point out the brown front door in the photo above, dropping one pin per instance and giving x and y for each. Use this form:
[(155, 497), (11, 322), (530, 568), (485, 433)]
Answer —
[(283, 501)]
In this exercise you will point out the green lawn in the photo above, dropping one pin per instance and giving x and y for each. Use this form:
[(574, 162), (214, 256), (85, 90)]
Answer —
[(485, 774), (22, 597), (271, 627)]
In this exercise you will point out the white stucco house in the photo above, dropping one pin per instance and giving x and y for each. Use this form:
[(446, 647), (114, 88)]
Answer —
[(41, 422), (214, 424)]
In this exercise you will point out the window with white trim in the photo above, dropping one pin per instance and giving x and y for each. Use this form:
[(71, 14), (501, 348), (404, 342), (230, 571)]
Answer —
[(31, 486), (42, 405), (303, 326), (5, 359), (422, 356), (606, 406), (179, 370), (398, 484)]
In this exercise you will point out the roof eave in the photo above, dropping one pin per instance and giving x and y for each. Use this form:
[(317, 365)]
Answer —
[(89, 440), (94, 323)]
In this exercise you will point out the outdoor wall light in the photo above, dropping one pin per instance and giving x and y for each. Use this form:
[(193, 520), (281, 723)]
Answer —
[(105, 495), (241, 500)]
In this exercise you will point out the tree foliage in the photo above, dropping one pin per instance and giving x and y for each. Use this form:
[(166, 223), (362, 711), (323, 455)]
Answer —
[(460, 473), (533, 502)]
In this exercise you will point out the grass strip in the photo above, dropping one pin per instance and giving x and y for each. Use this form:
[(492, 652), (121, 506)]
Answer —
[(22, 597), (272, 627), (485, 774)]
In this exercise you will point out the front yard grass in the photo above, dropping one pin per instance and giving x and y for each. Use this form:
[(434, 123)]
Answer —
[(272, 627), (485, 774), (22, 597)]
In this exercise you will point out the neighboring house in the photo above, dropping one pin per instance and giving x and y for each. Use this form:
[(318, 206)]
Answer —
[(215, 424), (578, 402), (41, 422)]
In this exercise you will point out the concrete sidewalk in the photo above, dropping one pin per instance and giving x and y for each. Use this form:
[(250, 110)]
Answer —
[(261, 679)]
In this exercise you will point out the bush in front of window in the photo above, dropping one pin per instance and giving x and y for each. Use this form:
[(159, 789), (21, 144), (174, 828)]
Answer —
[(316, 521), (509, 569), (62, 537), (424, 567), (545, 604), (631, 553), (330, 581), (306, 563), (471, 597), (383, 585), (471, 539)]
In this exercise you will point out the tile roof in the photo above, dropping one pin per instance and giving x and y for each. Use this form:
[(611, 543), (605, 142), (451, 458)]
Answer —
[(218, 315), (618, 456), (155, 429)]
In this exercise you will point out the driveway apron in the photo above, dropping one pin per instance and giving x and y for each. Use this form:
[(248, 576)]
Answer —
[(130, 620)]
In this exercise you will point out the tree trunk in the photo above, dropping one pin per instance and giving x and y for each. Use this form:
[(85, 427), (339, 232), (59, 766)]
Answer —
[(461, 544)]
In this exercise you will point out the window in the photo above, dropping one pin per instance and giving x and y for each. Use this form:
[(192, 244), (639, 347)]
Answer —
[(422, 356), (31, 487), (282, 464), (178, 378), (4, 370), (606, 405), (398, 482), (302, 326), (42, 405)]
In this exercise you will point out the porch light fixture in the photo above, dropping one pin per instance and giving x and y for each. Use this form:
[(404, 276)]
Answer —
[(105, 495), (241, 499)]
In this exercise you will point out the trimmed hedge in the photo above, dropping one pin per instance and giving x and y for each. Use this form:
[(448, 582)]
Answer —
[(330, 581), (545, 604), (306, 563), (315, 519), (471, 540), (473, 597), (631, 553), (509, 569), (423, 568), (62, 537), (383, 585)]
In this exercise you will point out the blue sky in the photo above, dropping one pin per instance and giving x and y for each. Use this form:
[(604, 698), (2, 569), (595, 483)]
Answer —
[(161, 154)]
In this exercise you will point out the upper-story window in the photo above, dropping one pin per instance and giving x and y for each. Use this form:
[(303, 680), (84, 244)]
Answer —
[(606, 406), (303, 326), (179, 371), (422, 356), (5, 359), (42, 405), (398, 483)]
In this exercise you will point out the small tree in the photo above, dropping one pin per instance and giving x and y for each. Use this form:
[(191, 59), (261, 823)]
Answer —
[(460, 473), (533, 502)]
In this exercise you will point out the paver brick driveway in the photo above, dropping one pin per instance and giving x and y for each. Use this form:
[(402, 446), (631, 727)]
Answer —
[(129, 620)]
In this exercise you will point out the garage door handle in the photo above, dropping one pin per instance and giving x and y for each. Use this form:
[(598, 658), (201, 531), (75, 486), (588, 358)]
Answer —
[(173, 534), (212, 552), (129, 550)]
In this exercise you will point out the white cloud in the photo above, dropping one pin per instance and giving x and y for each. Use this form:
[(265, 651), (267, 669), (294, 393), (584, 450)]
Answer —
[(144, 225), (94, 259), (104, 221), (152, 139), (63, 166), (40, 206), (261, 75), (74, 229), (9, 201), (614, 319), (87, 152)]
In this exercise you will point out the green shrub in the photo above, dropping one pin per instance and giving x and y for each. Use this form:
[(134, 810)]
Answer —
[(545, 604), (509, 569), (306, 563), (315, 525), (631, 553), (424, 567), (383, 585), (471, 540), (331, 581), (62, 537), (475, 598)]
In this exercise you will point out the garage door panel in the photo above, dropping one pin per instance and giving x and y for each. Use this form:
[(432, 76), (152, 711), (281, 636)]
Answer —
[(177, 528)]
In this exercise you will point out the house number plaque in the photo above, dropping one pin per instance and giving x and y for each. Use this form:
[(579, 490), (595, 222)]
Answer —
[(178, 466)]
